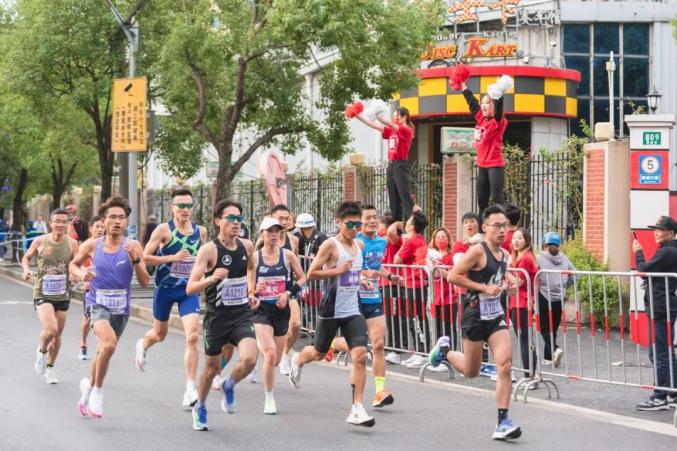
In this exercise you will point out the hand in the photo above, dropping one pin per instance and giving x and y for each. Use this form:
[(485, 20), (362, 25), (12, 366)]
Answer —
[(27, 274), (88, 276), (366, 284), (369, 273), (464, 86), (283, 300), (219, 274), (417, 209), (636, 246), (260, 286), (131, 251), (254, 302), (181, 255), (492, 290), (397, 279), (345, 267)]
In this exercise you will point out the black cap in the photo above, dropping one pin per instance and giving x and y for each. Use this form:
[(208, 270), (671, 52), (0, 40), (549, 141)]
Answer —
[(665, 223)]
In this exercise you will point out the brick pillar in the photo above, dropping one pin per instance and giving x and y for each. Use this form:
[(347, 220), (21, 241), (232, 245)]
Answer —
[(351, 185), (456, 192), (593, 201)]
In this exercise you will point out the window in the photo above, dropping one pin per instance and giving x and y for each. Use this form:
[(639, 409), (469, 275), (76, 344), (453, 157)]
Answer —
[(636, 39), (606, 38), (635, 77), (601, 76), (581, 64), (576, 38)]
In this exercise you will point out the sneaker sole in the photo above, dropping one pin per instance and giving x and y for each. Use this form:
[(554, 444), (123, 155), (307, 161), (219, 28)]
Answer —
[(366, 424), (517, 433), (653, 409), (200, 429), (388, 400), (82, 410)]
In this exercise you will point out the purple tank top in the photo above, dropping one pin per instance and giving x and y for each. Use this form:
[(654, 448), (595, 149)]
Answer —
[(112, 286)]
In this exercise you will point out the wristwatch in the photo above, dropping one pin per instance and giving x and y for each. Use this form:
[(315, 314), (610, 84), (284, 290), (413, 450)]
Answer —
[(136, 261)]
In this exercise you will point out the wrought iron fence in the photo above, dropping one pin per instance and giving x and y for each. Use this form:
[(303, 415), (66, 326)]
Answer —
[(253, 195), (426, 183)]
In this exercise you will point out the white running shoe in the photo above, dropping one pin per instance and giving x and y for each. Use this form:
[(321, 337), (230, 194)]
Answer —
[(140, 356), (216, 382), (83, 353), (359, 417), (85, 390), (40, 361), (407, 361), (295, 371), (189, 399), (393, 357), (50, 377), (95, 406), (417, 361), (285, 365), (557, 357), (255, 376), (494, 377), (438, 369), (269, 408)]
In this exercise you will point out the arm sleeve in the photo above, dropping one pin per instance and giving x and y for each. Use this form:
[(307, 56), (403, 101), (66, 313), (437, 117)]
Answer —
[(498, 111), (407, 252), (387, 132), (473, 104), (653, 265)]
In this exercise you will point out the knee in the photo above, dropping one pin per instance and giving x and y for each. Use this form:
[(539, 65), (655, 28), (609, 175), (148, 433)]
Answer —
[(269, 356), (295, 324), (191, 339), (359, 356), (504, 366), (51, 331), (377, 345), (472, 373), (107, 348), (249, 360), (212, 368)]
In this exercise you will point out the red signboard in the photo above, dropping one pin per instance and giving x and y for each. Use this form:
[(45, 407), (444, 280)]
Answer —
[(649, 169)]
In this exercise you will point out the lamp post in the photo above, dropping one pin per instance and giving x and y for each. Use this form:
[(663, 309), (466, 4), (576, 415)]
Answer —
[(653, 98), (611, 68)]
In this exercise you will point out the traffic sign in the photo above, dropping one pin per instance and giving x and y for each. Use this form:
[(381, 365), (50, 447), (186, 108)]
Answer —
[(129, 115)]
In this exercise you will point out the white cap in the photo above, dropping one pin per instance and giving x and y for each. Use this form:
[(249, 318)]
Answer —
[(269, 222), (305, 220)]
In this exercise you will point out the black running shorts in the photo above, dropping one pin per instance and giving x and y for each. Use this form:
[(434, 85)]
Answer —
[(271, 315), (476, 329), (227, 326), (353, 329)]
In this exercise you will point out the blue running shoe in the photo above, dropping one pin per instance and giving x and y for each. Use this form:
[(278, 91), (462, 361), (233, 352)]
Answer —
[(488, 369), (200, 418), (228, 401), (506, 430), (439, 352)]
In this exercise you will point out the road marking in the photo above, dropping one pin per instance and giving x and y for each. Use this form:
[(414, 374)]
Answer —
[(15, 302)]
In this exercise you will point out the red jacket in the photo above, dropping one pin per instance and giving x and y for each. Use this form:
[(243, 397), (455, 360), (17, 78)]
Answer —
[(489, 133)]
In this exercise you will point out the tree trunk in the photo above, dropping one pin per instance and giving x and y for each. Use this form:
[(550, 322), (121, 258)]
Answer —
[(17, 205), (224, 177)]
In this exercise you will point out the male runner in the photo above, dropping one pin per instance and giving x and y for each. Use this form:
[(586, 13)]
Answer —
[(482, 270), (96, 230), (225, 261), (115, 259), (371, 304), (176, 243), (340, 262), (51, 295)]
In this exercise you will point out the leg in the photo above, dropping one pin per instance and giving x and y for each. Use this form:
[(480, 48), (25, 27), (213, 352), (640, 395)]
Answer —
[(497, 182), (341, 345), (393, 194), (403, 184), (190, 358), (211, 369), (556, 321), (501, 348), (155, 335), (294, 325), (55, 345), (107, 345), (358, 372), (467, 362), (544, 320), (482, 188), (519, 317), (268, 348), (376, 329), (50, 327), (84, 330), (246, 349)]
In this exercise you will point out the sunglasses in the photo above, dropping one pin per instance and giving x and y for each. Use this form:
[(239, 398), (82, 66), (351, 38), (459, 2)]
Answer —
[(353, 224), (181, 206), (234, 218)]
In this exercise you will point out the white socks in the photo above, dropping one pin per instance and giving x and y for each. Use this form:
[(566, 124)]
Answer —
[(190, 385), (270, 396)]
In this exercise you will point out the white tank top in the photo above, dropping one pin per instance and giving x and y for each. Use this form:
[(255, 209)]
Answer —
[(340, 297)]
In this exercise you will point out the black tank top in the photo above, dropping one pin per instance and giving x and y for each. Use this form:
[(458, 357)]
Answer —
[(494, 271), (276, 277), (231, 291)]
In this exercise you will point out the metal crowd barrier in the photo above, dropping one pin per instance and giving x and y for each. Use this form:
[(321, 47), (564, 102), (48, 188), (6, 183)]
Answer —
[(13, 249)]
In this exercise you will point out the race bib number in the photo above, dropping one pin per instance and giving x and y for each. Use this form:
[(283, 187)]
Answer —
[(372, 293), (490, 308), (274, 286), (234, 292), (54, 284), (114, 300), (182, 268), (350, 280)]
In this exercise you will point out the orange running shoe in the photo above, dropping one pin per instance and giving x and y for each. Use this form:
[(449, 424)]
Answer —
[(329, 356), (383, 398)]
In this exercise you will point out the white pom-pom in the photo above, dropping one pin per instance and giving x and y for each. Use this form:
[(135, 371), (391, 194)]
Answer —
[(503, 84), (375, 108)]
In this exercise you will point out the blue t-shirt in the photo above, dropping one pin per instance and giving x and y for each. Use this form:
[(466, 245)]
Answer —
[(372, 256)]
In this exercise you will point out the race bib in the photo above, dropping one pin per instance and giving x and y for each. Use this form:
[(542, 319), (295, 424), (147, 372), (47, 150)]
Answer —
[(234, 292), (350, 280), (114, 300), (373, 293), (54, 284), (182, 268), (274, 286), (490, 308)]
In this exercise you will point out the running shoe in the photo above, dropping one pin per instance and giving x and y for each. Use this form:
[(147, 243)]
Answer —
[(494, 377), (140, 356), (85, 389), (50, 376), (505, 430), (653, 404), (488, 369), (295, 371), (189, 399), (406, 362), (393, 358), (439, 352), (216, 382), (417, 362), (437, 369), (285, 365), (557, 357), (40, 362), (255, 376), (672, 401), (329, 356), (200, 418), (269, 408), (359, 417), (228, 401), (95, 406), (83, 353), (382, 398)]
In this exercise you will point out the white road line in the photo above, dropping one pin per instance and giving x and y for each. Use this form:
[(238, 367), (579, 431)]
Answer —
[(15, 302)]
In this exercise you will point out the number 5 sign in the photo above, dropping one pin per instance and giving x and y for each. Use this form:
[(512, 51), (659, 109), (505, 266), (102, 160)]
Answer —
[(649, 169)]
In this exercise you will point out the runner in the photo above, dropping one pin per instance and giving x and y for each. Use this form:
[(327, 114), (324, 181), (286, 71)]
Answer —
[(115, 259), (340, 262), (96, 230), (272, 279), (51, 295), (371, 304), (482, 270), (176, 243), (225, 261)]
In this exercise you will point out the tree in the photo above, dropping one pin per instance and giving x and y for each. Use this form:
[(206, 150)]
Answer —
[(232, 68)]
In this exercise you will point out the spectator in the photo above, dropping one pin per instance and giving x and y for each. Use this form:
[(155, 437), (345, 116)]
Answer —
[(662, 293), (78, 228), (310, 238), (445, 300), (40, 226), (150, 227), (551, 294), (522, 257), (392, 292), (413, 252), (513, 213)]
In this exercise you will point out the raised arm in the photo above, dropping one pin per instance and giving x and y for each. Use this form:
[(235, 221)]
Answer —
[(373, 124), (470, 99)]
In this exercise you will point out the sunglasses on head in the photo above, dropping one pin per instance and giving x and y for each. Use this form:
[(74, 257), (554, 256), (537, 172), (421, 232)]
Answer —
[(234, 218), (181, 205), (353, 224)]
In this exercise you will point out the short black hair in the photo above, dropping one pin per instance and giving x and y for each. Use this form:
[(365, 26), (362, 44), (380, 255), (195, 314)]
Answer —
[(58, 211), (419, 221), (369, 207), (492, 210), (181, 192), (513, 213), (115, 201), (279, 207), (223, 204), (95, 218), (471, 215), (348, 209)]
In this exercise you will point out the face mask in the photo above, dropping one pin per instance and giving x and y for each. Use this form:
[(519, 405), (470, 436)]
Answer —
[(442, 244)]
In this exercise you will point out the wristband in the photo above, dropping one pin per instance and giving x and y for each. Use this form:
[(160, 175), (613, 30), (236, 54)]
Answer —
[(390, 276), (295, 289)]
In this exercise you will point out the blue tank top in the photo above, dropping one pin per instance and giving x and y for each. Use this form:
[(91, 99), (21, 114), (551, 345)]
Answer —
[(112, 286), (372, 256), (276, 278), (176, 274)]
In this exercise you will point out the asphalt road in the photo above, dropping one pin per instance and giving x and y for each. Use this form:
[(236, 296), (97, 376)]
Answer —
[(143, 411)]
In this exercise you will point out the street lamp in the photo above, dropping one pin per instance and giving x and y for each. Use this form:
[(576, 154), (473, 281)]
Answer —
[(653, 98)]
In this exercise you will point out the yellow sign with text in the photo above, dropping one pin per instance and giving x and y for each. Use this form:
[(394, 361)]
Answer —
[(129, 126)]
